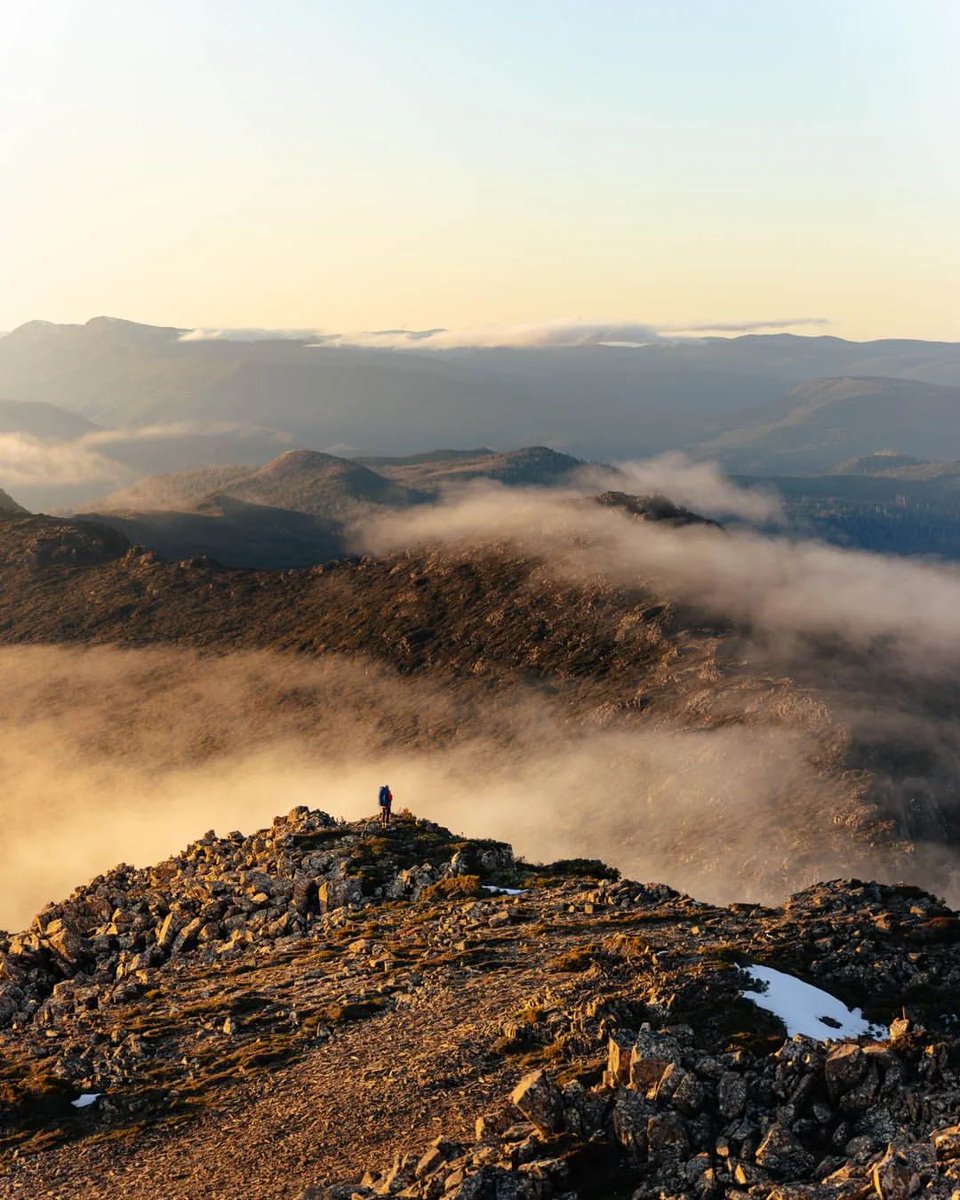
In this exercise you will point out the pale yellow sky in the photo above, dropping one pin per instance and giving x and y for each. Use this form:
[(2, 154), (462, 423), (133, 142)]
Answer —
[(217, 165)]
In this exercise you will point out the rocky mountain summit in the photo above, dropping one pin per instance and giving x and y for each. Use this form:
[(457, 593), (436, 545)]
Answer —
[(328, 1010)]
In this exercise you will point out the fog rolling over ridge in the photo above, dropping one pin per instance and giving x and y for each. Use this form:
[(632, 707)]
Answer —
[(872, 638), (110, 756), (797, 722), (904, 613)]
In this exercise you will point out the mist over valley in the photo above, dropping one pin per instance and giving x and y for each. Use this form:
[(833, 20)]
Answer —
[(723, 707), (718, 709)]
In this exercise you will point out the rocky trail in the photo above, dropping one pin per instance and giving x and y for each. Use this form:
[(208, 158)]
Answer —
[(324, 1010)]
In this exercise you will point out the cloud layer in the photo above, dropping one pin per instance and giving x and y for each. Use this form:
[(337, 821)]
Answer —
[(97, 458), (110, 756), (781, 589), (702, 487), (27, 461), (832, 709), (541, 334)]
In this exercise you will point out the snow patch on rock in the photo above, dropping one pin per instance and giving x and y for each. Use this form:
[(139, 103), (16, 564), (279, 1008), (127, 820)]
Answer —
[(805, 1009)]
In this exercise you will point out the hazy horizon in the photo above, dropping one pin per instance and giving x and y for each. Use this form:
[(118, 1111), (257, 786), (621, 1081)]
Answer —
[(558, 332)]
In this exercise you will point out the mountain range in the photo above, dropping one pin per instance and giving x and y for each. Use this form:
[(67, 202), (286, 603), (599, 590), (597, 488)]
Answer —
[(149, 399), (822, 423)]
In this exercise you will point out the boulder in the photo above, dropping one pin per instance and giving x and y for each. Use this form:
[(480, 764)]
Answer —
[(903, 1171), (667, 1138), (782, 1154), (187, 936), (540, 1101), (947, 1143), (66, 945), (169, 928), (844, 1068), (651, 1055), (619, 1051), (731, 1095), (338, 893), (689, 1095), (631, 1112)]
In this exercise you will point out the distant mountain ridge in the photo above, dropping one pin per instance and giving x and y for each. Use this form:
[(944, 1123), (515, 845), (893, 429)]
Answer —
[(328, 485), (826, 421), (296, 509), (595, 402), (155, 401), (41, 420), (888, 465), (441, 468), (881, 462), (322, 484)]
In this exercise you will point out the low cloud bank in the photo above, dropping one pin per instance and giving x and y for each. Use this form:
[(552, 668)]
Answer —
[(174, 430), (906, 611), (831, 731), (109, 756), (874, 638), (702, 487), (27, 461), (563, 332)]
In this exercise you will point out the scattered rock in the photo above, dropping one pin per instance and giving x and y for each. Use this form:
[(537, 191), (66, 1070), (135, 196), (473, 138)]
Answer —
[(540, 1101)]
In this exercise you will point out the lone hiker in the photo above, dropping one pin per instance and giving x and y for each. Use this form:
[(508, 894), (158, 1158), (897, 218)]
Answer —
[(386, 799)]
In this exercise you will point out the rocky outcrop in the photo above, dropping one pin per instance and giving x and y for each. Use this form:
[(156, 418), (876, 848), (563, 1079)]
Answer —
[(613, 1018), (217, 897), (655, 508), (809, 1121)]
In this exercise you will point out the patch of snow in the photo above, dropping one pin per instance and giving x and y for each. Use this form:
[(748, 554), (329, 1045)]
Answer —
[(491, 887), (86, 1099), (805, 1009)]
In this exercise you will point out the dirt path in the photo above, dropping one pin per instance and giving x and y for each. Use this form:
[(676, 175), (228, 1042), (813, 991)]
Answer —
[(379, 1085)]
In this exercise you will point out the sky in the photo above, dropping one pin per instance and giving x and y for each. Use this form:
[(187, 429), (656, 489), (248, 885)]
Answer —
[(314, 164)]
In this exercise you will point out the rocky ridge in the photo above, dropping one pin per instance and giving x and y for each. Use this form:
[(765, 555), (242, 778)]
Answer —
[(460, 1024)]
